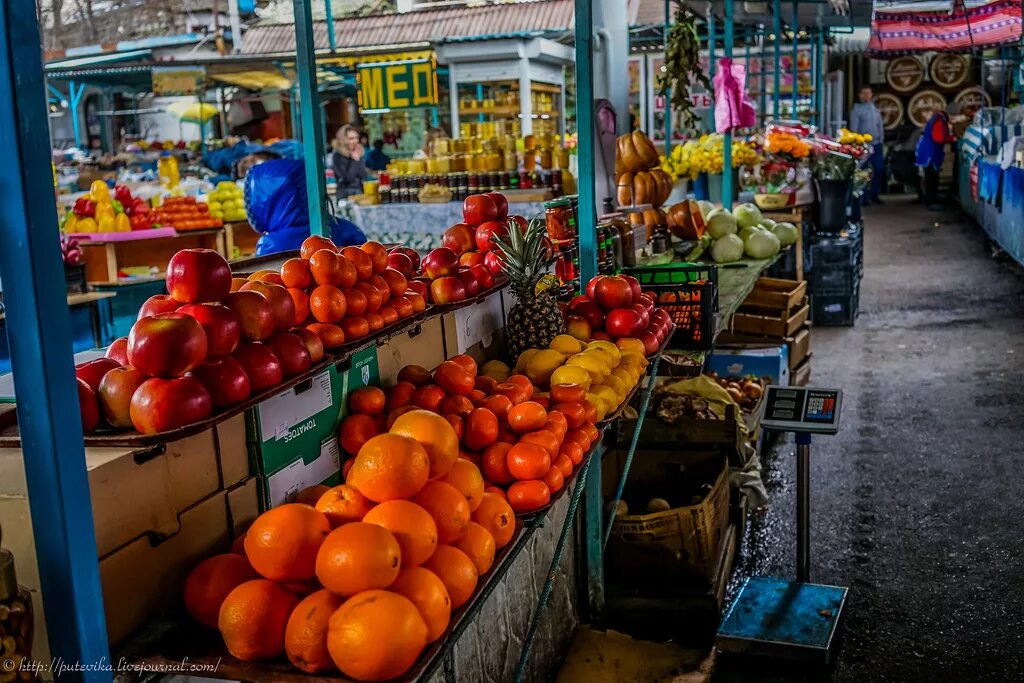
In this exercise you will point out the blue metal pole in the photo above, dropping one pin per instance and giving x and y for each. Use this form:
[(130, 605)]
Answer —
[(585, 134), (76, 99), (819, 79), (312, 124), (711, 45), (777, 30), (727, 143), (763, 101), (47, 406), (796, 46), (668, 91), (329, 17)]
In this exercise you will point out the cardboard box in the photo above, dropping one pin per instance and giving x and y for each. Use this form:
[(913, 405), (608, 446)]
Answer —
[(294, 424), (760, 361), (422, 345), (477, 329), (135, 491), (324, 467)]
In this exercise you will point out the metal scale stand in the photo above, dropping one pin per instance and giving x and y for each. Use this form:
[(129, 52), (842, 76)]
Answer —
[(790, 619)]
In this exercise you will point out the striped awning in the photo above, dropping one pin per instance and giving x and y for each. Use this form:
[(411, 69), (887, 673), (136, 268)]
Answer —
[(964, 28)]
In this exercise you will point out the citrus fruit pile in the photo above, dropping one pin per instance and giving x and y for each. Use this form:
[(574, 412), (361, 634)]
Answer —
[(605, 373), (364, 580), (525, 443), (184, 213), (227, 202)]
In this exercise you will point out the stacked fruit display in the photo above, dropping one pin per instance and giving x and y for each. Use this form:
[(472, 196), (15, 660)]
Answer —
[(613, 308), (185, 213), (98, 211), (466, 263), (640, 178), (367, 578), (523, 439), (227, 203)]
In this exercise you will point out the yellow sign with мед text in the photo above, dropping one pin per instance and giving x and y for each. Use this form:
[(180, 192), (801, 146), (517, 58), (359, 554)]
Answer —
[(397, 85)]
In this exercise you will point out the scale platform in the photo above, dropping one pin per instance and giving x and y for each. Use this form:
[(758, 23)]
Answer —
[(783, 619)]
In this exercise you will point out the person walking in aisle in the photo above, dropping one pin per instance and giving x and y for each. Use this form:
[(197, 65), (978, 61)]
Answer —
[(866, 119), (931, 153)]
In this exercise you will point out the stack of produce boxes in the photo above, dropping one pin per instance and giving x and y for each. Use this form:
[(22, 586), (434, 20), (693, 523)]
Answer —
[(837, 265)]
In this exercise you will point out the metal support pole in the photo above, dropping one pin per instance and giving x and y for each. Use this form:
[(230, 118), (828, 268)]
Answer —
[(525, 98), (668, 91), (763, 101), (329, 18), (593, 540), (777, 29), (585, 135), (74, 103), (803, 507), (712, 38), (814, 78), (236, 26), (796, 46), (41, 355), (727, 142), (311, 119)]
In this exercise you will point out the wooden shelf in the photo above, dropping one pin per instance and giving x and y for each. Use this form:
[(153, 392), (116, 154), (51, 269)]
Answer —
[(491, 111)]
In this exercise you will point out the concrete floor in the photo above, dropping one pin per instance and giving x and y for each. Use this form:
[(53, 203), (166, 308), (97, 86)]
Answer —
[(918, 504)]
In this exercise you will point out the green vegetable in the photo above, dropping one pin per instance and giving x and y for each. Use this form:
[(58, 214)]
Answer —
[(786, 232), (761, 244), (720, 223), (747, 215), (727, 249)]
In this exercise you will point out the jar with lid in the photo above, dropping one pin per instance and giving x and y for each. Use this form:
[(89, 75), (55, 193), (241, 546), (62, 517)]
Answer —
[(15, 621), (559, 218)]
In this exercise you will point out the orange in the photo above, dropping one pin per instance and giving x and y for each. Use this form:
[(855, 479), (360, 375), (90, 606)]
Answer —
[(478, 544), (332, 336), (253, 617), (554, 479), (529, 495), (211, 581), (397, 413), (356, 430), (412, 526), (544, 439), (295, 273), (367, 400), (495, 463), (325, 266), (301, 301), (376, 636), (575, 414), (305, 635), (310, 495), (573, 450), (457, 424), (357, 557), (354, 327), (314, 243), (427, 592), (564, 463), (327, 304), (528, 461), (466, 478), (495, 515), (526, 417), (378, 255), (457, 571), (457, 405), (574, 393), (361, 260), (343, 504), (497, 491), (390, 466), (436, 436), (523, 382), (448, 507), (466, 362), (429, 397), (481, 429), (283, 542), (556, 424)]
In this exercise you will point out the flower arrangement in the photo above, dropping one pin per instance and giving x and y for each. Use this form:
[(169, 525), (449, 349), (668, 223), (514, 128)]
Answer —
[(787, 146)]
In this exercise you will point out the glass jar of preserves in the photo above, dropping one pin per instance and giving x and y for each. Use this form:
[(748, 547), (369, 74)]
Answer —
[(560, 219), (15, 622)]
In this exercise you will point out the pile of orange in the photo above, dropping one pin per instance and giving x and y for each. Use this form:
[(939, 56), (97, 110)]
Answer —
[(364, 580), (345, 294), (525, 443)]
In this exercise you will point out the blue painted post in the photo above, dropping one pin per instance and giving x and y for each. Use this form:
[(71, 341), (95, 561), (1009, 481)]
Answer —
[(819, 78), (329, 18), (796, 45), (34, 295), (777, 29), (312, 121), (763, 104), (668, 91), (74, 102), (727, 143), (712, 39)]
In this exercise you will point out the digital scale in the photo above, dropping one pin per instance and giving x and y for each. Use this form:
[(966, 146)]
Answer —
[(775, 617)]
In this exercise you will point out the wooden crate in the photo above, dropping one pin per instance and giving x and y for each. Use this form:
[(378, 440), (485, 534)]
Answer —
[(103, 259), (782, 295), (766, 324), (801, 376)]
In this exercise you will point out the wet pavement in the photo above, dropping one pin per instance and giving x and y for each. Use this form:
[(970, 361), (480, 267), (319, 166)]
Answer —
[(918, 504)]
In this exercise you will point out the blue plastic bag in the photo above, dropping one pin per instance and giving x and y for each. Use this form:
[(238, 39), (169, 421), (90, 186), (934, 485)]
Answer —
[(275, 201)]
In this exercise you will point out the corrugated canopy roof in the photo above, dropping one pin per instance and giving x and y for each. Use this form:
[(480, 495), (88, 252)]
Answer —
[(506, 19)]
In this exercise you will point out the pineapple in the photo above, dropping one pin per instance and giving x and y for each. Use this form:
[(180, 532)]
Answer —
[(525, 258)]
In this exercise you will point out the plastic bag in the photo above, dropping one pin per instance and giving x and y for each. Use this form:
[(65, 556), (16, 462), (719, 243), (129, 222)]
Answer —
[(733, 109)]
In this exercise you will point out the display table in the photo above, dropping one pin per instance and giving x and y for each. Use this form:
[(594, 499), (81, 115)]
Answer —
[(105, 257), (419, 226), (90, 322)]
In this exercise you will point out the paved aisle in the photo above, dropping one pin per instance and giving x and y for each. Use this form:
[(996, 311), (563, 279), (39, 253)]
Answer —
[(918, 504)]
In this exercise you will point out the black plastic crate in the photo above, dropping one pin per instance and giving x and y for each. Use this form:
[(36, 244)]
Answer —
[(838, 280), (74, 279), (835, 310), (834, 252), (692, 308)]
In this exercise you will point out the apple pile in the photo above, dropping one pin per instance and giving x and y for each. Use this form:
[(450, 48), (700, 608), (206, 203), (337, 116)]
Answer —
[(466, 264), (525, 442), (612, 308)]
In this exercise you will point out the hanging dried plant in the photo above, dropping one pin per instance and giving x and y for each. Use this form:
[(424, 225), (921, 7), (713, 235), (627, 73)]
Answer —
[(682, 65)]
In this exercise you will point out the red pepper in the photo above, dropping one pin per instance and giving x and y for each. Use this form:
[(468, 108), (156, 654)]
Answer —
[(84, 207), (122, 194), (139, 207)]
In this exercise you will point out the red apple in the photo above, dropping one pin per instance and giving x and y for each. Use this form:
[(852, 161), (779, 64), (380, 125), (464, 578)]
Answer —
[(414, 256), (470, 282), (521, 222), (224, 379), (578, 300), (591, 288), (501, 203), (578, 327), (613, 292), (592, 313), (198, 275), (483, 276), (485, 235), (458, 238), (478, 209), (159, 404), (115, 394), (650, 341), (91, 372), (220, 324), (492, 262), (282, 305), (166, 345), (623, 322), (645, 318), (156, 304), (118, 350), (261, 365), (420, 286), (401, 262), (314, 344), (291, 350), (472, 258), (88, 407), (602, 335), (648, 300), (255, 316), (447, 290), (634, 286), (439, 263)]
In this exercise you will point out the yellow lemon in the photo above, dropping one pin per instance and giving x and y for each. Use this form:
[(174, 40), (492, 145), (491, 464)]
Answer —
[(599, 406), (608, 349), (608, 395), (593, 364), (620, 386), (625, 375), (566, 344), (601, 356), (541, 364), (633, 358), (523, 359), (571, 374), (496, 370), (630, 344)]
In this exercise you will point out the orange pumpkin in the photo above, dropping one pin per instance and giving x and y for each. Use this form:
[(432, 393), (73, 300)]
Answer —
[(645, 149), (643, 188), (685, 220), (624, 189)]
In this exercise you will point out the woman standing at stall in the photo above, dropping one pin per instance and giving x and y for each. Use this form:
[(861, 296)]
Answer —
[(931, 153), (347, 162)]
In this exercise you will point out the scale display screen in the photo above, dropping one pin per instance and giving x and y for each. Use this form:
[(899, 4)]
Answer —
[(802, 409)]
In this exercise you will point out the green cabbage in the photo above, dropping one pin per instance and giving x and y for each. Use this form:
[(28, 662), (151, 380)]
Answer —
[(767, 223), (786, 232), (706, 207), (746, 232), (720, 223), (727, 249), (747, 215), (761, 244)]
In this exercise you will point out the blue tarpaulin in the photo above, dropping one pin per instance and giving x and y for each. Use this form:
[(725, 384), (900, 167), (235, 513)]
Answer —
[(989, 175)]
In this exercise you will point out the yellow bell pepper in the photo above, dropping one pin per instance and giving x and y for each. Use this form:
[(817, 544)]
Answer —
[(86, 224), (99, 192), (70, 223), (122, 223)]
